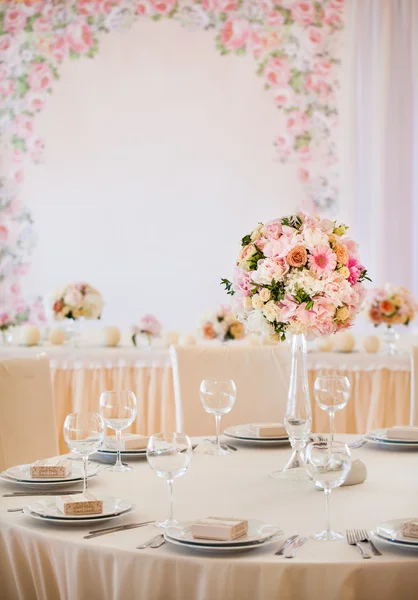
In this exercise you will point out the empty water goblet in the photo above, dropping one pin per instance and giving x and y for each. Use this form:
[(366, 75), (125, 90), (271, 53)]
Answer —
[(328, 466), (169, 456), (118, 409), (84, 433), (218, 397), (331, 394)]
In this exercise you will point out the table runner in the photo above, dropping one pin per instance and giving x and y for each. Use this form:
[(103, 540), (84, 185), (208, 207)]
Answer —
[(49, 562)]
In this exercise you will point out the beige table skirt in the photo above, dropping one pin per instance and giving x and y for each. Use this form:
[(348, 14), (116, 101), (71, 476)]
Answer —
[(379, 398)]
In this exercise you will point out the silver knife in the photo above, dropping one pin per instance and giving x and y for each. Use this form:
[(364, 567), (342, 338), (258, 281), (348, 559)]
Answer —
[(158, 543), (286, 544), (298, 544), (121, 528), (148, 543), (45, 493)]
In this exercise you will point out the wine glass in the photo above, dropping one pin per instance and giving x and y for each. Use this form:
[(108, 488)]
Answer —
[(331, 394), (169, 456), (84, 433), (218, 397), (328, 465), (118, 409)]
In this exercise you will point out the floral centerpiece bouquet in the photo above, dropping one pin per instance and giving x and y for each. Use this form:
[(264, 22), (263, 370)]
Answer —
[(148, 328), (77, 300), (298, 274), (390, 305), (222, 325), (302, 275)]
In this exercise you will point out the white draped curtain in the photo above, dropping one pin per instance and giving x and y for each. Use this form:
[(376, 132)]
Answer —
[(379, 151)]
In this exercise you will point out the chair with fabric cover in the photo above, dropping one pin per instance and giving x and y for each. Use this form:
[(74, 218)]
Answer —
[(261, 376), (413, 419), (27, 416)]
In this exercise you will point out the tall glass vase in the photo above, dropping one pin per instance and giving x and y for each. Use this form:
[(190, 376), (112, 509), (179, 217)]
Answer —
[(390, 337), (298, 417)]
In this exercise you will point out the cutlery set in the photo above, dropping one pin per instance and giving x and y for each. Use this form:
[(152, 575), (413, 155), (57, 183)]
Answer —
[(99, 532), (355, 537), (290, 546)]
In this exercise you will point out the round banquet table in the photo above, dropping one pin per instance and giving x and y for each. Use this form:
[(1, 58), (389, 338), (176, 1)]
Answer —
[(40, 560)]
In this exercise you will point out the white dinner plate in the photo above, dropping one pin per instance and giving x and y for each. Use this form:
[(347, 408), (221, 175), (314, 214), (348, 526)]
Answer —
[(47, 511), (123, 453), (381, 436), (259, 534), (392, 532), (243, 433), (21, 475), (393, 543), (389, 444)]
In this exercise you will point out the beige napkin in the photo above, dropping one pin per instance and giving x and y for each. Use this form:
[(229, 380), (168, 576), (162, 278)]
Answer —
[(403, 432)]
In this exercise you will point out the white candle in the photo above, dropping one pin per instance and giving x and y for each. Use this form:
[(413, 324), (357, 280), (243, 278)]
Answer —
[(111, 336), (371, 344), (56, 336), (344, 341), (30, 335), (324, 344)]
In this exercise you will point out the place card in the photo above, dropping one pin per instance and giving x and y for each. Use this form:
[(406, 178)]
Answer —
[(217, 528), (79, 504), (410, 529), (50, 468), (131, 441), (268, 430)]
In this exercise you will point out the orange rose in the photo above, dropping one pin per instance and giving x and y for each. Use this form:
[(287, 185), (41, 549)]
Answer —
[(341, 253), (209, 332), (387, 308), (375, 315), (58, 306), (237, 330), (297, 257)]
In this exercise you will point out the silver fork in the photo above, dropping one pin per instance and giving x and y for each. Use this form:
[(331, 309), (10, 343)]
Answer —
[(353, 540), (297, 544), (357, 443), (285, 545), (223, 446), (152, 542), (365, 537)]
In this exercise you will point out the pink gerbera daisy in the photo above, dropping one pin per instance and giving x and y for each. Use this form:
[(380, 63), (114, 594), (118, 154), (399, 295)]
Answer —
[(322, 260)]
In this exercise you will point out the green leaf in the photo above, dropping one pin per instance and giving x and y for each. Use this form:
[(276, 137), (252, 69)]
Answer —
[(2, 22), (253, 261), (241, 51), (30, 22), (296, 81), (228, 286), (19, 143), (90, 20), (223, 16), (246, 240), (156, 17), (73, 54), (302, 140), (22, 86), (93, 50)]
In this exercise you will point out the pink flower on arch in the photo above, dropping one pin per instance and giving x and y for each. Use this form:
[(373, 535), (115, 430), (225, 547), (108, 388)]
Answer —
[(315, 36), (322, 260), (297, 122), (5, 42), (304, 153), (34, 101), (4, 234), (234, 34), (59, 47), (277, 71), (23, 127), (79, 37), (40, 76), (323, 67), (303, 175), (275, 19), (163, 7), (42, 24), (220, 5), (303, 12), (14, 20)]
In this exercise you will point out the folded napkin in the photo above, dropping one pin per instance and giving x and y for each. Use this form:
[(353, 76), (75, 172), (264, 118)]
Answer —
[(218, 528), (131, 441), (51, 467), (403, 432), (357, 474), (268, 429), (410, 528), (79, 504)]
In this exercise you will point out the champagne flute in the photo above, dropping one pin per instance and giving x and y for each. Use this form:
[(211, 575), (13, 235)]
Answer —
[(119, 410), (218, 398), (84, 433), (328, 466), (331, 394), (169, 456)]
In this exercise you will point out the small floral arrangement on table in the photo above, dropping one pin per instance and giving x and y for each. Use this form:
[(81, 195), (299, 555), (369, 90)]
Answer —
[(298, 274), (77, 300), (222, 325), (148, 328), (390, 305)]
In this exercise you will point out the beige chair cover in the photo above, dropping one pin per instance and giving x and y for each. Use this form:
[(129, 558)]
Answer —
[(27, 416), (261, 376)]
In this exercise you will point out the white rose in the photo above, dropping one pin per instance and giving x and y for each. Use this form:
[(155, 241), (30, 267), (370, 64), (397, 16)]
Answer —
[(315, 237), (265, 294), (268, 270), (248, 304), (296, 327), (257, 301), (271, 311), (73, 297), (257, 233), (93, 306), (256, 323)]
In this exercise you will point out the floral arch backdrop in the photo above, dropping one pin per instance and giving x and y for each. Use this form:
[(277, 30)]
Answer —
[(295, 45)]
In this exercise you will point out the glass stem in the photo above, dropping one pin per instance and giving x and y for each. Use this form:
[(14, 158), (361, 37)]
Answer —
[(170, 489), (218, 425), (327, 498), (118, 446), (331, 426), (85, 463)]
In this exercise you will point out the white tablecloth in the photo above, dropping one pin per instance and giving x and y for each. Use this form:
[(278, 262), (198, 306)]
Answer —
[(40, 560)]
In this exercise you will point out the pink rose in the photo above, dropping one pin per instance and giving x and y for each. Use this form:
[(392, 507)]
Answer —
[(331, 17), (18, 176), (5, 42), (14, 20), (79, 37), (40, 76), (4, 234), (324, 67), (304, 153), (284, 97), (242, 282), (297, 122), (337, 4), (15, 288), (303, 175), (234, 34), (272, 230), (3, 74), (88, 7), (254, 42), (141, 8), (42, 24), (7, 88), (275, 19), (315, 36), (220, 5), (277, 71), (23, 127), (163, 6), (34, 101), (283, 144), (58, 47), (303, 13), (18, 155)]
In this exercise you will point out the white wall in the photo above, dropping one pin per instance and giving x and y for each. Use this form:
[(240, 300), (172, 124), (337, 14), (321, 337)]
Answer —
[(159, 159)]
